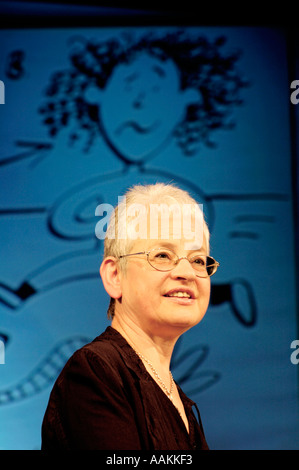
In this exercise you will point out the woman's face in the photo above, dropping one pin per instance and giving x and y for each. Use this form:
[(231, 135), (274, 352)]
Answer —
[(148, 297)]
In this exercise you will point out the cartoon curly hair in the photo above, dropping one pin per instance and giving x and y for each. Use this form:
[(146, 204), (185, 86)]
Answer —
[(201, 65)]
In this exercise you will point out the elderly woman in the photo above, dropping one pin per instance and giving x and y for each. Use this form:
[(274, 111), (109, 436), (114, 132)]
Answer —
[(118, 393)]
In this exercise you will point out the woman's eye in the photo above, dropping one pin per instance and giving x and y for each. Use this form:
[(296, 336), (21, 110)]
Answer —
[(162, 255)]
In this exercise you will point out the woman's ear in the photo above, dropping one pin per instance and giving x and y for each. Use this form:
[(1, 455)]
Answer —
[(111, 276)]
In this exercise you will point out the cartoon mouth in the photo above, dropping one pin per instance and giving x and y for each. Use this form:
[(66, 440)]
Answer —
[(136, 127), (45, 373)]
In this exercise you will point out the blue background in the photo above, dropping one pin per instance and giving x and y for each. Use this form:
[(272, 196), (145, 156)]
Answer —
[(236, 363)]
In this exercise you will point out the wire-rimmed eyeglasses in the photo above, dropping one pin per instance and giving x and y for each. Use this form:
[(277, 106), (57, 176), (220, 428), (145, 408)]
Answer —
[(163, 259)]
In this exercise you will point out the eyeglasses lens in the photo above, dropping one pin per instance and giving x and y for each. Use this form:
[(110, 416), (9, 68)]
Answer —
[(165, 260)]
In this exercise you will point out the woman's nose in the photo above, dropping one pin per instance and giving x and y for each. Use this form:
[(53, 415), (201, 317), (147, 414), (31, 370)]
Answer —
[(183, 270)]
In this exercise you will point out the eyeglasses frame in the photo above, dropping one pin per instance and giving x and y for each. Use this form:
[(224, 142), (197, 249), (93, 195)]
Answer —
[(215, 264)]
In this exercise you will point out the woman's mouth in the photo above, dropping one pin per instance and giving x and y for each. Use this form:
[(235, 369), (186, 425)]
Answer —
[(181, 296)]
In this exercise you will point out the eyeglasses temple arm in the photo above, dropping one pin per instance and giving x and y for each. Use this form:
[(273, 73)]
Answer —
[(132, 254)]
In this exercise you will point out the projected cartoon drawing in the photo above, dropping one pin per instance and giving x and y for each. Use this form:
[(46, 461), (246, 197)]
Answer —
[(136, 85), (140, 98), (168, 87)]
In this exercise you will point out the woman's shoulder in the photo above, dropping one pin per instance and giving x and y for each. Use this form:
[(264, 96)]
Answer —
[(108, 353), (108, 345)]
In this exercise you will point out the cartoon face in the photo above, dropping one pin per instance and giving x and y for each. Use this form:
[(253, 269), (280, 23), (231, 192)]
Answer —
[(141, 106)]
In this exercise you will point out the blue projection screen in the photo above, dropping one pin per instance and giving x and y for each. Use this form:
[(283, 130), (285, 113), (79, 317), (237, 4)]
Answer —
[(88, 112)]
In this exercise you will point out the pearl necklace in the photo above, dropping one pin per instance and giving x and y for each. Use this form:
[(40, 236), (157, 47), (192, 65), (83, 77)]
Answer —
[(165, 389)]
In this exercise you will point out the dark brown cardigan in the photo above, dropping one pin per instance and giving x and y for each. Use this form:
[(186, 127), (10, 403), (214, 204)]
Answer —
[(104, 399)]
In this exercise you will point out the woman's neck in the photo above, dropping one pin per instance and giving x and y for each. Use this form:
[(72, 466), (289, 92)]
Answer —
[(155, 349)]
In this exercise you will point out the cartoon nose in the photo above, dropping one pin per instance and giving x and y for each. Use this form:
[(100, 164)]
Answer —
[(139, 100)]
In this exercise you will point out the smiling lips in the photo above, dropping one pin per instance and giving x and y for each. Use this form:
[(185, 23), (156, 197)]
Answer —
[(180, 293)]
